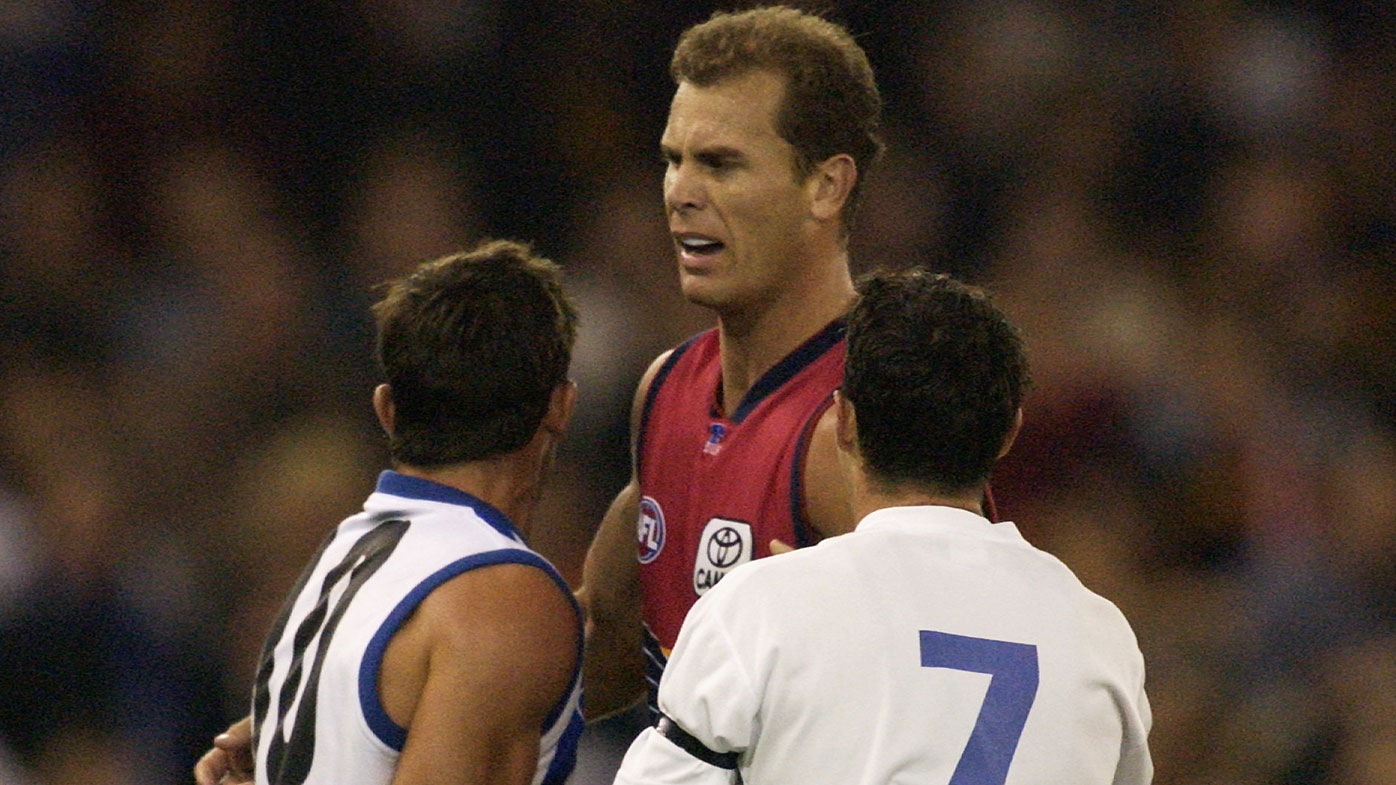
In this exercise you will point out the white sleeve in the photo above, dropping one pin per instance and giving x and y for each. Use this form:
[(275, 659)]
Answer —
[(706, 691), (654, 760), (1136, 766), (706, 688)]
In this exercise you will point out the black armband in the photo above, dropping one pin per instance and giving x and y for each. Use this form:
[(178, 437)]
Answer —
[(689, 743)]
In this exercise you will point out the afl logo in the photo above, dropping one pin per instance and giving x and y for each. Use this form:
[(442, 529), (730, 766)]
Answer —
[(649, 530), (724, 545)]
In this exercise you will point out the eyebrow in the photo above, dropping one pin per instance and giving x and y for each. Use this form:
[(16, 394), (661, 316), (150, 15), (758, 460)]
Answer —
[(717, 152)]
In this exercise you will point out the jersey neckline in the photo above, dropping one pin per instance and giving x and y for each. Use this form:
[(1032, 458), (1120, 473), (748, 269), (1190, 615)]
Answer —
[(409, 487), (780, 373)]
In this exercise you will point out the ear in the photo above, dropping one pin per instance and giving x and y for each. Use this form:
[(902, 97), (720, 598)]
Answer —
[(831, 184), (1012, 433), (383, 407), (847, 430), (560, 407)]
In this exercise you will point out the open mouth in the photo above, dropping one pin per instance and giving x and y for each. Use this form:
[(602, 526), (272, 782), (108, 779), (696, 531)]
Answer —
[(699, 246)]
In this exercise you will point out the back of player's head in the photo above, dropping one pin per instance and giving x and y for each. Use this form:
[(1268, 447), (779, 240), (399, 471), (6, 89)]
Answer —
[(936, 375), (472, 346), (831, 103)]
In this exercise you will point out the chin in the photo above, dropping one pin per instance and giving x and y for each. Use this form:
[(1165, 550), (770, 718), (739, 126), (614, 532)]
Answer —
[(727, 300), (700, 290)]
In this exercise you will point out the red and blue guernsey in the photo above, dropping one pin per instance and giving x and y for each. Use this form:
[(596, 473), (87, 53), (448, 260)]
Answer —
[(716, 487)]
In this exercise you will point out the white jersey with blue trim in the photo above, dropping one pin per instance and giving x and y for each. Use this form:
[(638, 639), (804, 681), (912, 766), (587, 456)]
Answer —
[(316, 714), (928, 646)]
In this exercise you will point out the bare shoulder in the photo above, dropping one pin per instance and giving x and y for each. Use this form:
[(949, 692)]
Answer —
[(503, 604), (505, 635), (498, 648), (827, 503), (642, 390), (653, 369)]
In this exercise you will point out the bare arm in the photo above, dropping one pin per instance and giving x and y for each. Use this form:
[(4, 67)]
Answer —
[(493, 651), (441, 675), (614, 667), (610, 592), (827, 502)]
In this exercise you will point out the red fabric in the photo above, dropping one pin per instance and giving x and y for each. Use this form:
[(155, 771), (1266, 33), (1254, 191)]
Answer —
[(748, 474)]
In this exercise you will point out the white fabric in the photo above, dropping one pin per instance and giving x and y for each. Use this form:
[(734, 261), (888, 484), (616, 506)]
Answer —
[(809, 664), (654, 760), (354, 740)]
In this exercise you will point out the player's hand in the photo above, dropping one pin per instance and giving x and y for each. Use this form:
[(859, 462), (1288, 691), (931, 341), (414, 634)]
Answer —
[(230, 760), (777, 548)]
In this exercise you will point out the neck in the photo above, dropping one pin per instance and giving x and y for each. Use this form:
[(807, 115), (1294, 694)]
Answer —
[(755, 339), (870, 496), (509, 483)]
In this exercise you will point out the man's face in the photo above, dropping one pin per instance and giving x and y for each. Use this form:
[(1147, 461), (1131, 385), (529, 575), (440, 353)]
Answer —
[(736, 207)]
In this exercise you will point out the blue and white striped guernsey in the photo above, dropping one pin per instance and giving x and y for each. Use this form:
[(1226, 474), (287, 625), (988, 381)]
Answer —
[(316, 712)]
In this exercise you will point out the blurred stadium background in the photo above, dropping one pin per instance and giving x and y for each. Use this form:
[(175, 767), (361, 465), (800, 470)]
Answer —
[(1189, 206)]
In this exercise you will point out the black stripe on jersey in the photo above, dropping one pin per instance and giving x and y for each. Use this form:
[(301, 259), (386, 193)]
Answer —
[(261, 695), (290, 755), (653, 392), (804, 533), (793, 363)]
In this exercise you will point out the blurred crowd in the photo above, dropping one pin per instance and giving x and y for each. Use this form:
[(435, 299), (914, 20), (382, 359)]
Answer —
[(1189, 207)]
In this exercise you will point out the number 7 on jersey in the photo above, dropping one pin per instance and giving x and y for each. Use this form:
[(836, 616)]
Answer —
[(1012, 669)]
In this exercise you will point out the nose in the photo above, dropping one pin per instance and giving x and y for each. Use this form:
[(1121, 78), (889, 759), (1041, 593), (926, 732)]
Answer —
[(683, 190)]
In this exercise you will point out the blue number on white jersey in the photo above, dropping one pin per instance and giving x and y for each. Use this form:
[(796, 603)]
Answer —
[(1012, 669)]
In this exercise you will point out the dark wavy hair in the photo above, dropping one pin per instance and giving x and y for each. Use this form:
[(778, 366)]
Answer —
[(936, 375), (472, 345)]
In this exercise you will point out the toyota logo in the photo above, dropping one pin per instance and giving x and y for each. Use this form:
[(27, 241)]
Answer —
[(725, 547)]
